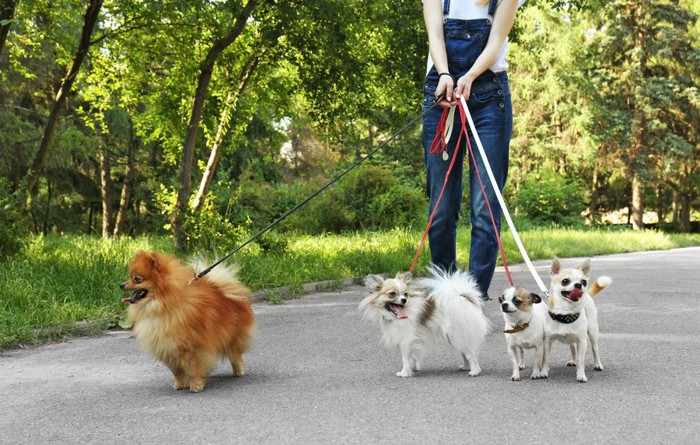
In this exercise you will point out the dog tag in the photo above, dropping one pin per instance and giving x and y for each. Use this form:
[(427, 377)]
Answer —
[(445, 156)]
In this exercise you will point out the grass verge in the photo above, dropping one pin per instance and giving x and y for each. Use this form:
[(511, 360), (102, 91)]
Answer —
[(57, 281)]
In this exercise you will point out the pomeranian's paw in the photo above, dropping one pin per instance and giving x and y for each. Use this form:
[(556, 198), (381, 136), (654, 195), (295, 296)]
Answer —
[(197, 388), (404, 374), (179, 384)]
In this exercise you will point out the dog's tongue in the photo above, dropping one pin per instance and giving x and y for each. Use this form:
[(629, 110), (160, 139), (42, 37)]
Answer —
[(399, 312), (575, 294), (132, 297)]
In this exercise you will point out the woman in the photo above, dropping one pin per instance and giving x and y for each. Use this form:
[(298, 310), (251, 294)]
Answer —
[(468, 46)]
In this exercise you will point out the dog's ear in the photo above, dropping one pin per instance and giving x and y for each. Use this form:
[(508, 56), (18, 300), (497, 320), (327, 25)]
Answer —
[(535, 298), (154, 260), (585, 267), (556, 267), (373, 282), (406, 277)]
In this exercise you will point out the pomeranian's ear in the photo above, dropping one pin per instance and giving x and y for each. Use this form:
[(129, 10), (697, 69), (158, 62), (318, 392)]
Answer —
[(154, 259), (373, 282), (535, 298), (406, 277), (556, 267), (585, 267)]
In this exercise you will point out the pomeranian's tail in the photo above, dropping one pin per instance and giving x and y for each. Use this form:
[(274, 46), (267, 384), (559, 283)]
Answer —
[(599, 285)]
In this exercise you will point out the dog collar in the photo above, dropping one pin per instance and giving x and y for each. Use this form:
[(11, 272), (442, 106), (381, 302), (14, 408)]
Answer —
[(518, 328), (565, 318)]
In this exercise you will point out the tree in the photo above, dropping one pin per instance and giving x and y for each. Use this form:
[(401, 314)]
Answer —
[(7, 12), (644, 68), (89, 23), (206, 71)]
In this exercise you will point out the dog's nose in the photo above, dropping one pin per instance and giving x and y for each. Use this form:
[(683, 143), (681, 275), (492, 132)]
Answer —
[(577, 285), (504, 306), (121, 286), (403, 300)]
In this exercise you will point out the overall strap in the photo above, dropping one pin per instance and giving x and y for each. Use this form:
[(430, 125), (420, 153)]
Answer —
[(492, 8)]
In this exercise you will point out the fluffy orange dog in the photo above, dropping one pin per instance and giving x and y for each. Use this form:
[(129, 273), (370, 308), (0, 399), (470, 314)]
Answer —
[(187, 326)]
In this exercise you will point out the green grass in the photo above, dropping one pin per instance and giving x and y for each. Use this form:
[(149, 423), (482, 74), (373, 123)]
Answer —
[(56, 281)]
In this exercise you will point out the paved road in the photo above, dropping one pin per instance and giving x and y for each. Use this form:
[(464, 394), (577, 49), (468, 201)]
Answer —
[(317, 374)]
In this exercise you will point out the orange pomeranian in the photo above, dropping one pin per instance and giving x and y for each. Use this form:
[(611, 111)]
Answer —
[(187, 326)]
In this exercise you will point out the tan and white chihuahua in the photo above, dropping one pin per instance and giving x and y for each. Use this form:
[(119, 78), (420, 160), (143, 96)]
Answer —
[(523, 313), (572, 316)]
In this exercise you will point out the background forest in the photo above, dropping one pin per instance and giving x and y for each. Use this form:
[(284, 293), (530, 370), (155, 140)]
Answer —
[(207, 119)]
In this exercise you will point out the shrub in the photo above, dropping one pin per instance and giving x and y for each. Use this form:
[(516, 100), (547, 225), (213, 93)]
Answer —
[(551, 199), (13, 225)]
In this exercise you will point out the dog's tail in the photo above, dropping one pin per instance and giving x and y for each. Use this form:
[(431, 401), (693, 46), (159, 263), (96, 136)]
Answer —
[(599, 285)]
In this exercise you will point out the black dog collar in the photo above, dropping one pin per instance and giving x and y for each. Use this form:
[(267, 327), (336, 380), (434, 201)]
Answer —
[(564, 318)]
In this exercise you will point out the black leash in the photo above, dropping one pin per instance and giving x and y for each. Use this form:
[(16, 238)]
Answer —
[(313, 195)]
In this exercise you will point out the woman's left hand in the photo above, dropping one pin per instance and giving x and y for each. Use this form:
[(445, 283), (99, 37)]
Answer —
[(464, 86)]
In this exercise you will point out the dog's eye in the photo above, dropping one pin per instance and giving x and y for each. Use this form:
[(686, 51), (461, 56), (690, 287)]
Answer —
[(516, 302), (566, 281), (584, 283), (392, 294), (501, 299), (405, 294), (137, 279)]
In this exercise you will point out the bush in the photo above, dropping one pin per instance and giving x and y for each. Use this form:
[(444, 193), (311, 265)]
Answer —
[(551, 199), (13, 225)]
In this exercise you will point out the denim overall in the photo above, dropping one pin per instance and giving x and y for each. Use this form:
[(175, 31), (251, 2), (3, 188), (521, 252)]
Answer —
[(490, 106)]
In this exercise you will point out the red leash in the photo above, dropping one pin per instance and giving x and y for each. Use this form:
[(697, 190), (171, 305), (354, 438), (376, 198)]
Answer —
[(437, 147)]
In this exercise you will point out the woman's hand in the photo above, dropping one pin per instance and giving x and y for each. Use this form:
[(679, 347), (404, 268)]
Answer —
[(446, 85), (464, 86)]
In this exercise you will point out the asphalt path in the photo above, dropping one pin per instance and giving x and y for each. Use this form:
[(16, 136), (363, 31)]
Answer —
[(318, 374)]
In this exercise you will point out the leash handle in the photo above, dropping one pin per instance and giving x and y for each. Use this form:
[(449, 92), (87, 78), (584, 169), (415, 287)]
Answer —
[(501, 202)]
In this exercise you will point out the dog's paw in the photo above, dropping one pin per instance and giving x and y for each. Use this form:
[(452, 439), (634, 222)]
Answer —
[(582, 379), (179, 385), (544, 374), (571, 363), (475, 372), (515, 378), (536, 375), (521, 367), (598, 367), (404, 374), (197, 388)]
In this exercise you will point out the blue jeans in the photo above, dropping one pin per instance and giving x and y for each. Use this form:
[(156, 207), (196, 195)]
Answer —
[(490, 106)]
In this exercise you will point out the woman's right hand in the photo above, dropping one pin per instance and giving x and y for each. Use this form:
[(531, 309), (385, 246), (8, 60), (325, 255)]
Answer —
[(446, 85)]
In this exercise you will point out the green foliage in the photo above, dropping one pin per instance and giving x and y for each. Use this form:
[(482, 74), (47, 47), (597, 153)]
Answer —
[(550, 199), (13, 225)]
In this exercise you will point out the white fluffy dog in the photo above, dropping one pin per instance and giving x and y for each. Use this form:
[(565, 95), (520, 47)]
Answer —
[(443, 306)]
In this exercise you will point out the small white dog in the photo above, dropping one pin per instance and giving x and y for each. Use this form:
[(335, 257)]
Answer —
[(572, 315), (523, 313), (445, 306)]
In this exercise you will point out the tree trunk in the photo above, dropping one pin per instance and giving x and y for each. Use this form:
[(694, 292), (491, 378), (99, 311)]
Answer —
[(594, 193), (91, 15), (675, 208), (637, 210), (686, 203), (660, 204), (229, 107), (206, 71), (126, 188), (7, 12), (105, 190)]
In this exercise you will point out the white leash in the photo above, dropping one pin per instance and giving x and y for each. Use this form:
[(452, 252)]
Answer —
[(501, 202)]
